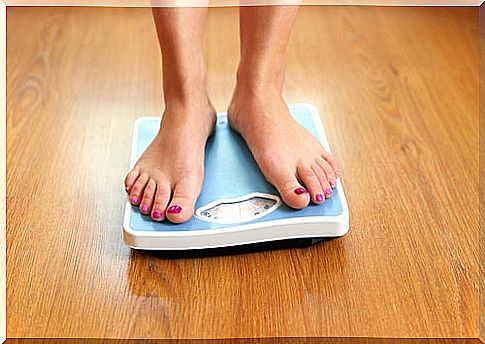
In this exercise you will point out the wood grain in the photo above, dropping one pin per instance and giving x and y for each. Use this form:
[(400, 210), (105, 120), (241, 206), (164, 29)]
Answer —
[(397, 89), (482, 174), (3, 179), (274, 340)]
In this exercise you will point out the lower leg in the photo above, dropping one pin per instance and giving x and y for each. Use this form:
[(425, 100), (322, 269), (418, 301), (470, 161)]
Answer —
[(166, 180), (265, 31), (288, 155), (180, 32)]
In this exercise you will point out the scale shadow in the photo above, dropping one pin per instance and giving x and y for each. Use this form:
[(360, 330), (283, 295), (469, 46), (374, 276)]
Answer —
[(234, 250)]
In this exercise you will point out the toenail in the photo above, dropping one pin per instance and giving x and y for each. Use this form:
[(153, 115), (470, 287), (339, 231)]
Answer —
[(328, 192), (144, 208), (319, 197), (134, 200), (300, 191), (333, 183), (174, 209), (157, 214)]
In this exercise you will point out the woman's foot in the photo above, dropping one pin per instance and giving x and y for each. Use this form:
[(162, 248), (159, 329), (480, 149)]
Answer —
[(167, 179), (289, 156)]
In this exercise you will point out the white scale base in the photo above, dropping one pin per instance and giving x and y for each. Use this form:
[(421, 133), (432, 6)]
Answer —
[(237, 206)]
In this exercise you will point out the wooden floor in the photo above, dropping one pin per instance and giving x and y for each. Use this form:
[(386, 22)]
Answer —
[(482, 175), (398, 91)]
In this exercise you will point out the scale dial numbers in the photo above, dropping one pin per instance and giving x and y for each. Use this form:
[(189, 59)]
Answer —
[(239, 210)]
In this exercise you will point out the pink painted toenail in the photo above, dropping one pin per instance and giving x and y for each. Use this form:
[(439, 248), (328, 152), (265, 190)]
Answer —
[(134, 200), (319, 197), (144, 208), (156, 214), (328, 192), (333, 183), (174, 209), (301, 191)]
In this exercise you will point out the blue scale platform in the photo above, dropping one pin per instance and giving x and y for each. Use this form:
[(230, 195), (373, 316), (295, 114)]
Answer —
[(232, 176)]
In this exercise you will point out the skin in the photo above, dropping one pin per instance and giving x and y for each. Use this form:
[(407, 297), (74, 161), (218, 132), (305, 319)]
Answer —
[(167, 178)]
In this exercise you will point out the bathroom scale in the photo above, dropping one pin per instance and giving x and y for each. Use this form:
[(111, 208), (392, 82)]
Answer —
[(237, 206)]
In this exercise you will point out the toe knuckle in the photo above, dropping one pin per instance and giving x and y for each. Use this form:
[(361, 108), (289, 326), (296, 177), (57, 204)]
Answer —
[(183, 199), (135, 191), (150, 188), (308, 175), (144, 176), (314, 184), (159, 198), (326, 167), (306, 172), (288, 184)]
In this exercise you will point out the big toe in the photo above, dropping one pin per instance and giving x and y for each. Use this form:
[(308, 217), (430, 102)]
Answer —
[(292, 192), (181, 207)]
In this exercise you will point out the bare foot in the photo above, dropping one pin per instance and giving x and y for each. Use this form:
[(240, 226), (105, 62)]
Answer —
[(167, 179), (289, 156)]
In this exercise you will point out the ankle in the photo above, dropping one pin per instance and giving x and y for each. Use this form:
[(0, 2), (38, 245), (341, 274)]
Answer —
[(253, 78), (187, 91), (256, 86), (193, 100), (184, 82), (196, 111)]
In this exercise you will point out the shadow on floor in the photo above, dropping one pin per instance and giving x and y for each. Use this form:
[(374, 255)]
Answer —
[(234, 250)]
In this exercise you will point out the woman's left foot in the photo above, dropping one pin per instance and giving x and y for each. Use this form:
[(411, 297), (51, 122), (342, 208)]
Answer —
[(289, 156)]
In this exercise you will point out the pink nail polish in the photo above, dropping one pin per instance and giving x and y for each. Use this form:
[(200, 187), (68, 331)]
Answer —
[(333, 183), (301, 191), (328, 192), (174, 209), (156, 214), (134, 200), (319, 197), (144, 208)]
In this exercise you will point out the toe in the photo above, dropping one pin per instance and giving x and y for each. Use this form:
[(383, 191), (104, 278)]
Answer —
[(324, 184), (292, 192), (181, 207), (148, 194), (312, 183), (130, 178), (137, 189), (160, 201), (331, 177), (332, 163)]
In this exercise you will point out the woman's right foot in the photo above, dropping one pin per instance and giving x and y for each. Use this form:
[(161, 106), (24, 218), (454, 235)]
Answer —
[(167, 179)]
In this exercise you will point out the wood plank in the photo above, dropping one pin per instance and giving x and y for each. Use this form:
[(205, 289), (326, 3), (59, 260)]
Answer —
[(3, 179), (482, 174)]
